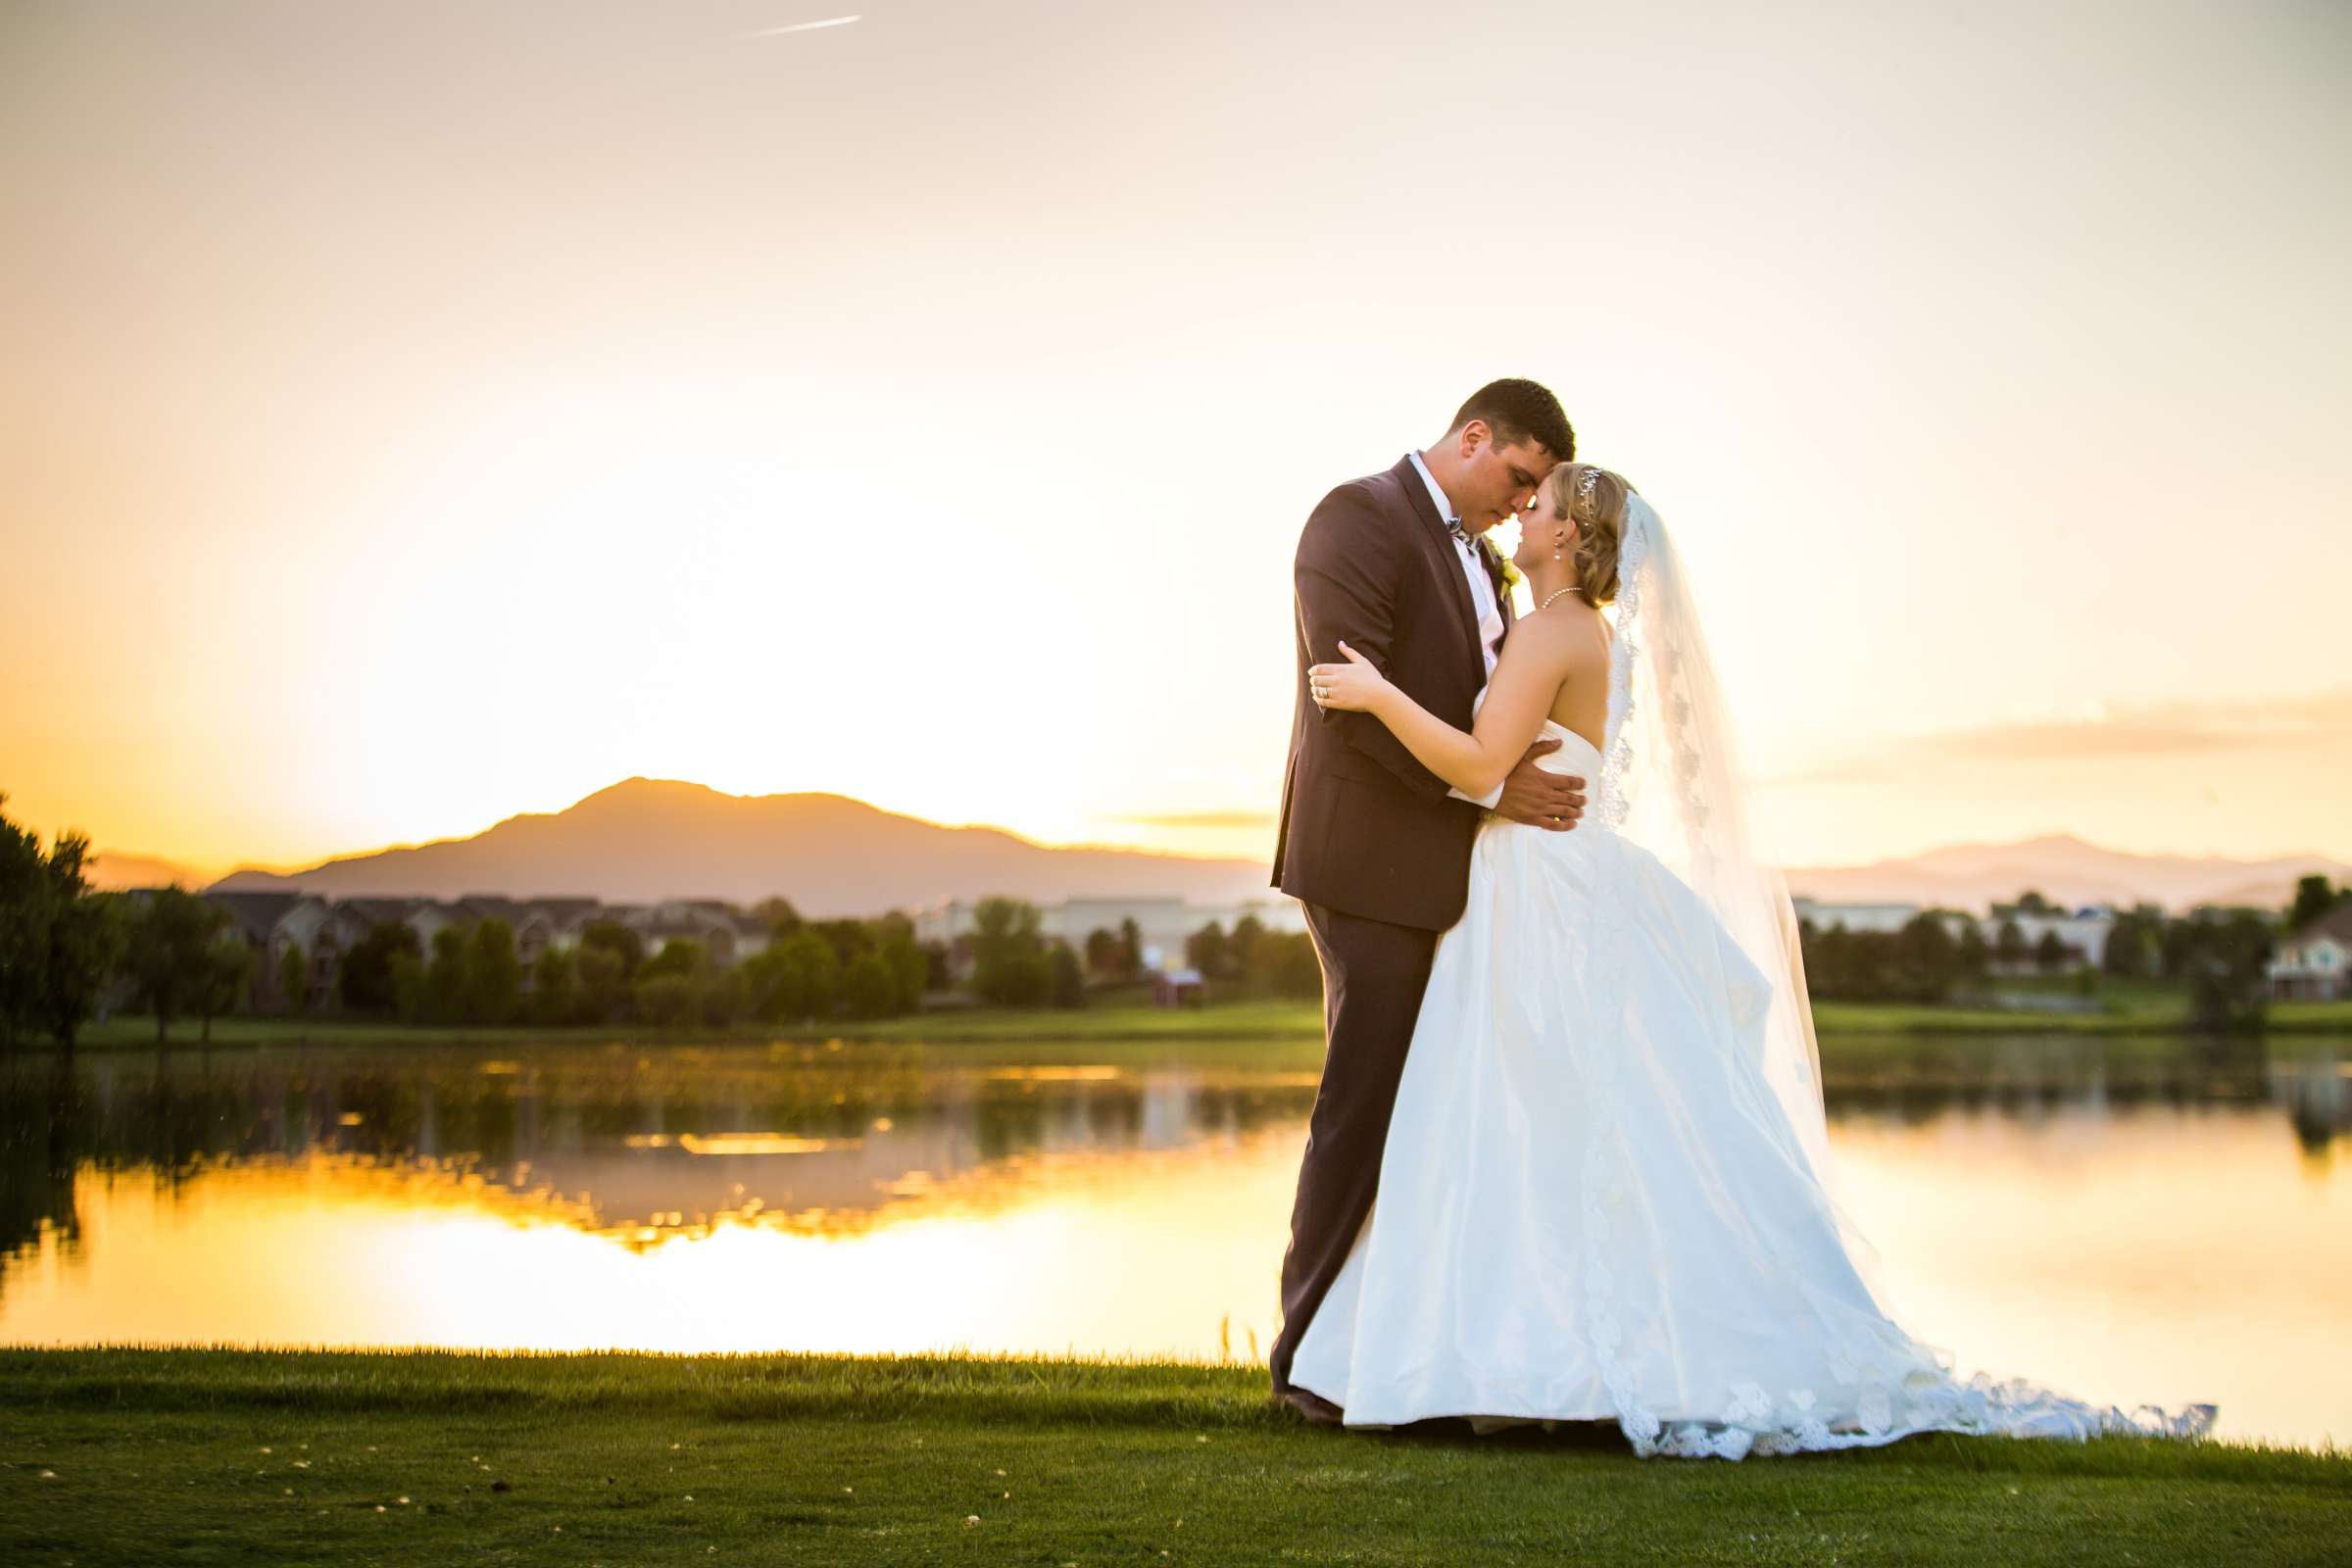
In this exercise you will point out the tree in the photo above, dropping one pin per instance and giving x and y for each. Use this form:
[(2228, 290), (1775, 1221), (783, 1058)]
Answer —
[(2134, 945), (227, 975), (909, 971), (724, 996), (2033, 903), (664, 998), (493, 983), (781, 918), (1242, 944), (555, 986), (445, 978), (294, 978), (1207, 950), (2049, 953), (86, 941), (1972, 956), (793, 978), (602, 973), (168, 953), (771, 992), (1284, 962), (1106, 954), (2226, 963), (623, 942), (2009, 944), (1008, 955), (2314, 897), (1927, 962), (869, 988), (404, 978), (849, 938), (364, 981), (1065, 983), (25, 916), (678, 956), (1131, 939)]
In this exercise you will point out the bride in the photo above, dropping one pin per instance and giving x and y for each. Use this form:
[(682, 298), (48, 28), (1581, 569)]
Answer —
[(1606, 1190)]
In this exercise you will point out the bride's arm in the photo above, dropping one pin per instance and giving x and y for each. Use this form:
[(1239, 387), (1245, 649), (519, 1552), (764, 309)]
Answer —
[(1527, 681)]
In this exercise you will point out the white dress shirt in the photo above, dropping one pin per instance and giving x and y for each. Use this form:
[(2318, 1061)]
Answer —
[(1482, 595)]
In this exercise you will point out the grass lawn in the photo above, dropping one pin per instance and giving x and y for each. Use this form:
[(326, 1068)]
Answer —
[(229, 1458), (2147, 1013)]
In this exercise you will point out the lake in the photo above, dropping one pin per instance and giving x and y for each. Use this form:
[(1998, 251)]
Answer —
[(2126, 1221)]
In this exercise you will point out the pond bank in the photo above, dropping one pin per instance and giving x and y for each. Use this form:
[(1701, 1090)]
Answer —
[(1255, 1020)]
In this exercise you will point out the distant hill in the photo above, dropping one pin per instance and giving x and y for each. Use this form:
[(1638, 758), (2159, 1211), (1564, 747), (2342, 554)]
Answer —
[(114, 870), (646, 839), (2068, 871)]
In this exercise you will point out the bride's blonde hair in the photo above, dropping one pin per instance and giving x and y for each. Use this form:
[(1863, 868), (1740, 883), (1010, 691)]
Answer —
[(1593, 499)]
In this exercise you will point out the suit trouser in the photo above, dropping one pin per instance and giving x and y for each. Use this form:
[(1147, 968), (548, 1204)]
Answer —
[(1373, 977)]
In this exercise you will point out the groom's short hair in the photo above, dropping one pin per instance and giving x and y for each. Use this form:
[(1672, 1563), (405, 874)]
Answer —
[(1517, 408)]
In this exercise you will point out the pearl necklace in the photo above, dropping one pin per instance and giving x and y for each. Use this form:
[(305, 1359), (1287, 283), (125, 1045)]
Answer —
[(1548, 598)]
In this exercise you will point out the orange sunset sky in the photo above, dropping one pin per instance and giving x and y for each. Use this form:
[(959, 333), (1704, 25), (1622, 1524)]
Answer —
[(417, 414)]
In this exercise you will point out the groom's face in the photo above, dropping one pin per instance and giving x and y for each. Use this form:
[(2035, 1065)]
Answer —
[(1499, 482)]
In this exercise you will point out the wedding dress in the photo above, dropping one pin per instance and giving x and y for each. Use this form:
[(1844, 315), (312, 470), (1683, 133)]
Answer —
[(1606, 1193)]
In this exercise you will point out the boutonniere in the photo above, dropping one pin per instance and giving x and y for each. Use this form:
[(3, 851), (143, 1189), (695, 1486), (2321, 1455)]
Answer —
[(1501, 563)]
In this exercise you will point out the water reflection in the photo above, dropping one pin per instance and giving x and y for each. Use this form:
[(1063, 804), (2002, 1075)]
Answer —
[(2130, 1220)]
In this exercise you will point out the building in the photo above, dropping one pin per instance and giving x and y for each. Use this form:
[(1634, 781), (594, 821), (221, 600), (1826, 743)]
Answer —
[(1854, 916), (1179, 988), (728, 935), (2083, 934), (273, 923), (1161, 923), (2315, 964)]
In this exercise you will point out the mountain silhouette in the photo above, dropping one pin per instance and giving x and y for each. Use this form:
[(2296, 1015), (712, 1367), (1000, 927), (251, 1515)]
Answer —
[(2068, 871), (648, 839)]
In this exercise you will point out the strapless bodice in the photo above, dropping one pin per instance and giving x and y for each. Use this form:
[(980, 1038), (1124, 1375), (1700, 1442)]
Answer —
[(1576, 755)]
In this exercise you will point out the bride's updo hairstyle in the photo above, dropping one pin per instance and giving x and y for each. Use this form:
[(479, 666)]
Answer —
[(1593, 499)]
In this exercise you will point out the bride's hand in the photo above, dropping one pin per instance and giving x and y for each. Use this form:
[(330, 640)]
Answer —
[(1351, 687)]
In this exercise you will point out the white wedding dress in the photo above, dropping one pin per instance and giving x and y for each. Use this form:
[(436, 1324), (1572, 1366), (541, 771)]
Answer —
[(1606, 1193)]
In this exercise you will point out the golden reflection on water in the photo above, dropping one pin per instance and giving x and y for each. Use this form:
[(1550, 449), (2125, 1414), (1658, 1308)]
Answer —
[(2148, 1256), (1146, 1252), (2142, 1253)]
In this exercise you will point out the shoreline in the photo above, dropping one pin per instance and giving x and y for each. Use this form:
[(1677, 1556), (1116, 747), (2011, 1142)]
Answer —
[(1234, 1021)]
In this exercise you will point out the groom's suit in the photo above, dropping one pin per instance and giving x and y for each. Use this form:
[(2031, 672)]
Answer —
[(1370, 842)]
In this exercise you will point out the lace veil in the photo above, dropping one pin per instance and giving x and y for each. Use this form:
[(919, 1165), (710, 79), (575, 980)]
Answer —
[(1671, 782), (1671, 785)]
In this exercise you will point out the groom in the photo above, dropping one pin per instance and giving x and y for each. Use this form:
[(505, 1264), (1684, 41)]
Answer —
[(1374, 845)]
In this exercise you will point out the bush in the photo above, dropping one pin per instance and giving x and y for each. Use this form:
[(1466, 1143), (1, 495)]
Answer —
[(666, 998), (1065, 978), (1009, 956), (868, 988), (364, 981), (554, 988)]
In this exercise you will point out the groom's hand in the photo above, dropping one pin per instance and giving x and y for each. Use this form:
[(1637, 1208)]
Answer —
[(1538, 797)]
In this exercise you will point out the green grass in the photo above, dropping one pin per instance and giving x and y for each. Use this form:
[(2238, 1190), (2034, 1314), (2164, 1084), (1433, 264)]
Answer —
[(2134, 1010), (232, 1457)]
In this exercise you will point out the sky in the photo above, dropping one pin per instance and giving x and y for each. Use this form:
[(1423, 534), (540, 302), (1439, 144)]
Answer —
[(418, 414)]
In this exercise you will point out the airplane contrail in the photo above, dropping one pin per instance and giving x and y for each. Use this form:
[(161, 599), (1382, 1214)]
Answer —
[(806, 26)]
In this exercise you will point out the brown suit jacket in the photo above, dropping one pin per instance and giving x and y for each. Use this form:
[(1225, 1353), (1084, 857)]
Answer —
[(1365, 828)]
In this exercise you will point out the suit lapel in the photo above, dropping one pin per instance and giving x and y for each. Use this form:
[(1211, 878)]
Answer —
[(1436, 546)]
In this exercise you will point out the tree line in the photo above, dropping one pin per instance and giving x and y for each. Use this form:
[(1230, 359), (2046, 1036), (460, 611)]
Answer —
[(1255, 960), (2220, 957), (179, 957), (808, 972)]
